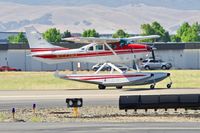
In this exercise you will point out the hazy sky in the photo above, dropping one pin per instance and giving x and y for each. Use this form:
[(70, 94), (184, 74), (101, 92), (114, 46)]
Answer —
[(176, 4)]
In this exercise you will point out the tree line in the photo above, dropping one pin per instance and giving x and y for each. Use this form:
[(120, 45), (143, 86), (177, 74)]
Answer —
[(185, 33)]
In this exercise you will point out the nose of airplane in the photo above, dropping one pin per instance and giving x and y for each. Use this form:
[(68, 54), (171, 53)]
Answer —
[(141, 46), (149, 48)]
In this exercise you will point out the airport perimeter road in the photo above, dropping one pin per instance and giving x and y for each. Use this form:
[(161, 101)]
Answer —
[(100, 127), (18, 99)]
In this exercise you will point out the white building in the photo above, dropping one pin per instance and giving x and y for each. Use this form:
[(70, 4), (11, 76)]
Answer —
[(181, 55)]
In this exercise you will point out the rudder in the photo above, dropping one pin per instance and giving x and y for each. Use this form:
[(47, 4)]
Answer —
[(36, 40)]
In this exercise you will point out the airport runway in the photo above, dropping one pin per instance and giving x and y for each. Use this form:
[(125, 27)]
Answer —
[(75, 127), (43, 99)]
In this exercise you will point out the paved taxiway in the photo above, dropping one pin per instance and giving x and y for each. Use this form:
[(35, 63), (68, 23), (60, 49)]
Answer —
[(100, 127), (25, 99), (43, 99)]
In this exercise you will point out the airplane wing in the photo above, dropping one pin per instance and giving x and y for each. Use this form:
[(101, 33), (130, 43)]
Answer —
[(142, 37), (92, 39), (107, 40)]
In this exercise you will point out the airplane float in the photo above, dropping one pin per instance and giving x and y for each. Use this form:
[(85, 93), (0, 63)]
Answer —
[(108, 51)]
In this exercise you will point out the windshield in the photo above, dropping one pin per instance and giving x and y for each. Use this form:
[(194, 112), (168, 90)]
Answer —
[(123, 43)]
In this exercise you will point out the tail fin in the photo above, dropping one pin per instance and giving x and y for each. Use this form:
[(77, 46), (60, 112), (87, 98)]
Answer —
[(36, 40)]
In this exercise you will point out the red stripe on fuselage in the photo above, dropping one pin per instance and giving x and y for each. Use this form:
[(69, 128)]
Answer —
[(88, 54), (103, 77)]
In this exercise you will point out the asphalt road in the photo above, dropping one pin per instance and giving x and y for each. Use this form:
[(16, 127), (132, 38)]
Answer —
[(43, 99), (101, 127), (25, 99)]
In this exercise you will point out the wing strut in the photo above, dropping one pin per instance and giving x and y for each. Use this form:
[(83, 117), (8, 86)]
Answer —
[(112, 51), (137, 68), (100, 68), (113, 67)]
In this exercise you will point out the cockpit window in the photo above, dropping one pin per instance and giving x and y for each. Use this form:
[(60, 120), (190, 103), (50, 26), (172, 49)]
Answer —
[(90, 48), (130, 42), (99, 47), (123, 43)]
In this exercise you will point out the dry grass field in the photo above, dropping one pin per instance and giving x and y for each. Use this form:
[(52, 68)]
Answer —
[(47, 81)]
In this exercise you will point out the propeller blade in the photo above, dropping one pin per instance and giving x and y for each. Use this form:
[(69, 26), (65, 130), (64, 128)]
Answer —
[(152, 51), (153, 55)]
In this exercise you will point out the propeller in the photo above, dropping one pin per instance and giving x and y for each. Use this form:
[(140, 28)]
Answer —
[(153, 48), (152, 52)]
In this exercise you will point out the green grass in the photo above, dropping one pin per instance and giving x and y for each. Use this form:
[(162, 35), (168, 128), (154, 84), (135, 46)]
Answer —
[(35, 81), (181, 79), (47, 81)]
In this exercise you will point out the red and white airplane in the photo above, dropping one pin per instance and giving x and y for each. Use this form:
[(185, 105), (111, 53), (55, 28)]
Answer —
[(100, 50)]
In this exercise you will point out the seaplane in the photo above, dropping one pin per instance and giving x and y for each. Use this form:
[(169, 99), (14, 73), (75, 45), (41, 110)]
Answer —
[(109, 51)]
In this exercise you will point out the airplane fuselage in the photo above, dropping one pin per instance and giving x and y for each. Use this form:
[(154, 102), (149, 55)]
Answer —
[(84, 54)]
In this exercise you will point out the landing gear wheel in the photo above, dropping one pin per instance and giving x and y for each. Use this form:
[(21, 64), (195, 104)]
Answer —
[(152, 87), (102, 87), (119, 87), (169, 85)]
